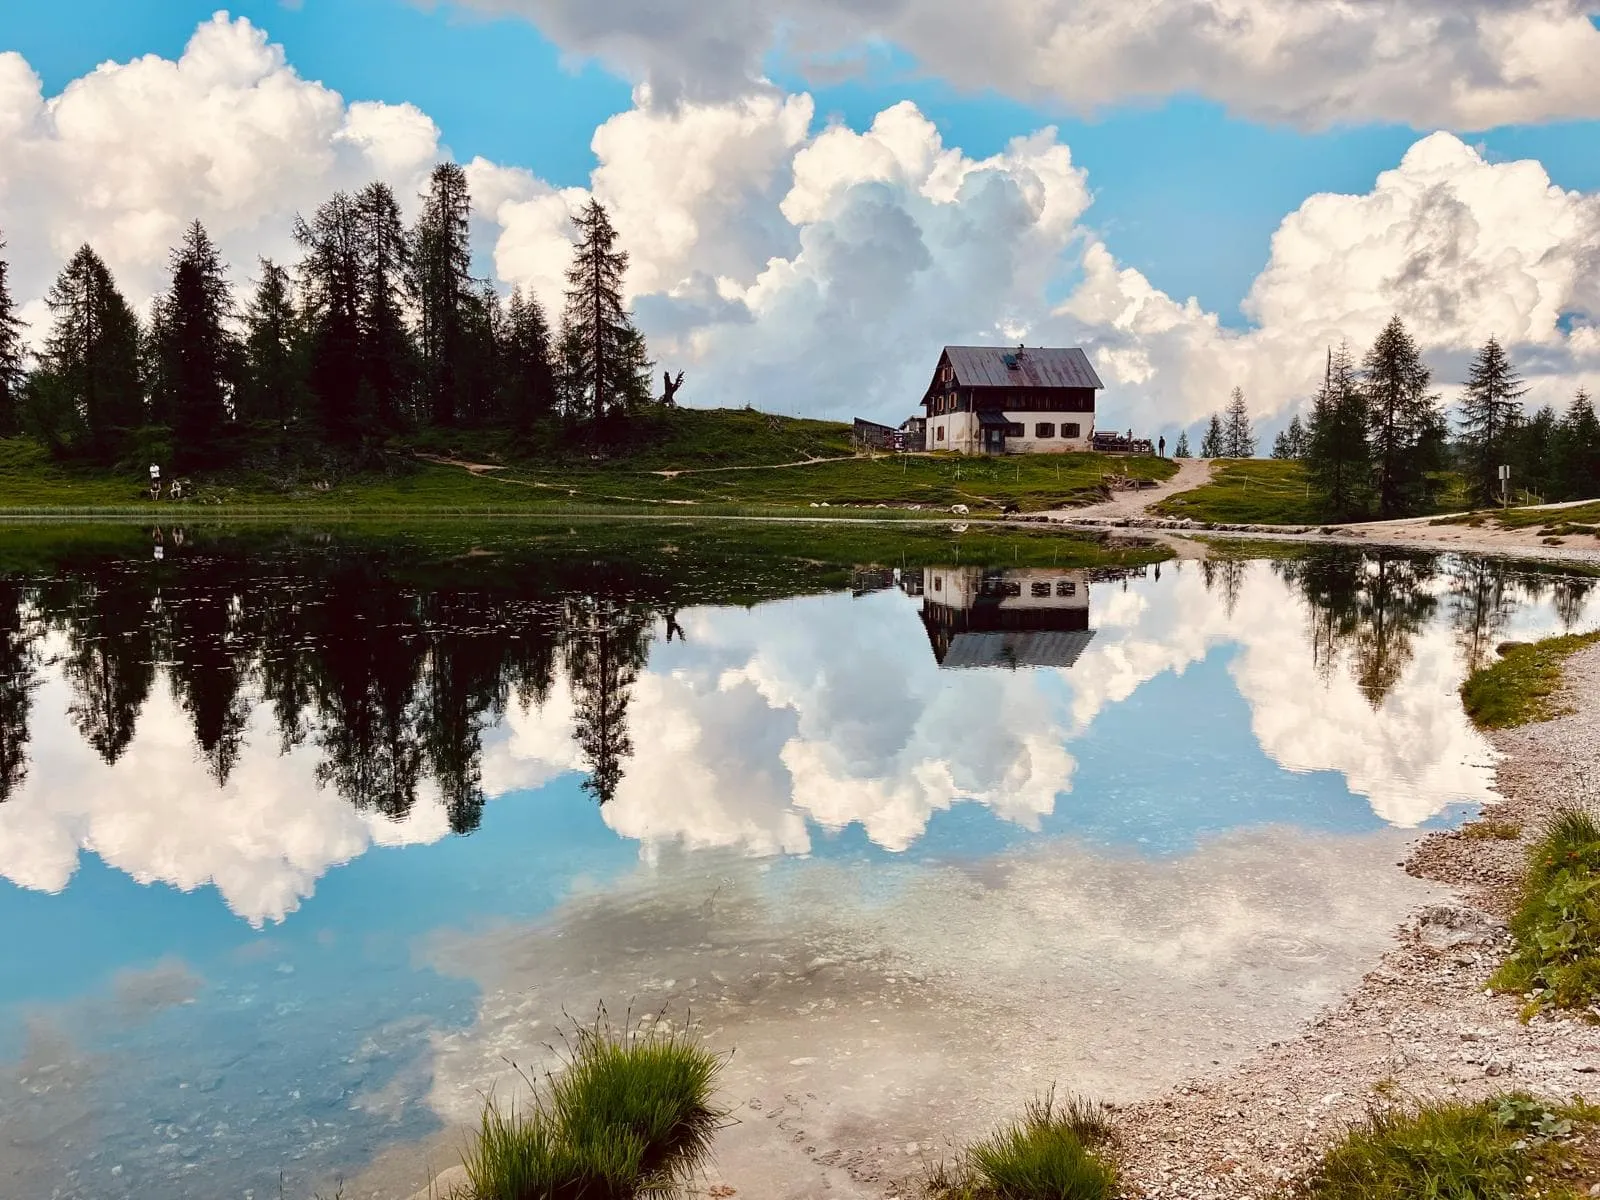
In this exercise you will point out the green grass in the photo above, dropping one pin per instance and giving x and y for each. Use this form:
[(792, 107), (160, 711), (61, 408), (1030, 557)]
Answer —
[(1269, 491), (1251, 491), (1505, 1148), (1055, 1152), (722, 461), (633, 1114), (1556, 962), (1578, 519), (1492, 831), (1522, 687)]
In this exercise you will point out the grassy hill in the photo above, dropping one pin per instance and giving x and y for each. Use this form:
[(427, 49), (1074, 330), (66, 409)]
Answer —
[(702, 460), (1269, 491)]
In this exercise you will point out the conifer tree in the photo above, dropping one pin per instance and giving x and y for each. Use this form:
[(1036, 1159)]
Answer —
[(1489, 413), (272, 389), (1211, 446), (1181, 450), (1238, 435), (441, 286), (1338, 456), (330, 281), (386, 354), (1533, 453), (530, 383), (88, 383), (1579, 449), (479, 369), (11, 372), (1291, 440), (1407, 425), (605, 369), (197, 355)]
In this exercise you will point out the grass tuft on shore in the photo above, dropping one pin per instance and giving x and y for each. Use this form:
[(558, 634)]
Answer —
[(1556, 962), (632, 1115), (1055, 1152), (1521, 687), (1505, 1148)]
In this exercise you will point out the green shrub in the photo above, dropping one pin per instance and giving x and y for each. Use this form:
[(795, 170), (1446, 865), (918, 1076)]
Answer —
[(1557, 924), (1484, 1151), (632, 1115), (1051, 1154)]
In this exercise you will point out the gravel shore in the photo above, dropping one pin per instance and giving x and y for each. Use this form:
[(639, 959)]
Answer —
[(1420, 1025)]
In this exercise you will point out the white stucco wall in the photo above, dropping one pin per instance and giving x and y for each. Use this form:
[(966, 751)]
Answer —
[(963, 435)]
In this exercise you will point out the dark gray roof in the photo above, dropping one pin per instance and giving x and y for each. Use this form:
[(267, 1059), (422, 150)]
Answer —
[(1037, 366), (992, 416), (1007, 648)]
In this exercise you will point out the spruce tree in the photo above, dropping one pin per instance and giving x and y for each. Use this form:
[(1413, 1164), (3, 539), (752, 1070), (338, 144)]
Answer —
[(11, 372), (88, 383), (479, 371), (331, 283), (1489, 413), (1283, 445), (1533, 453), (197, 355), (272, 389), (1238, 435), (1338, 455), (1407, 425), (1579, 449), (529, 381), (441, 286), (1211, 446), (386, 353), (606, 371), (1181, 450)]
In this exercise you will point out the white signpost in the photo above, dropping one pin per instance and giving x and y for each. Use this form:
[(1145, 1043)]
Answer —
[(1505, 486)]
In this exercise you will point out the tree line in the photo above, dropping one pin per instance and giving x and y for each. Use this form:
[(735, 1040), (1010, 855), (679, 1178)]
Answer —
[(1377, 440), (378, 329)]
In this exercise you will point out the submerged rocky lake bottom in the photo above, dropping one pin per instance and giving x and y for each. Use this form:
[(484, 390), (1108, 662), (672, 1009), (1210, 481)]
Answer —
[(310, 840)]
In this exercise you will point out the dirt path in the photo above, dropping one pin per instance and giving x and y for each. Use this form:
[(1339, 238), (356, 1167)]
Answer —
[(1192, 473), (806, 462)]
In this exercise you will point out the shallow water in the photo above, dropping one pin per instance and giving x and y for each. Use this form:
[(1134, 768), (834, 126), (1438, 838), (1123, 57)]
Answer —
[(303, 840)]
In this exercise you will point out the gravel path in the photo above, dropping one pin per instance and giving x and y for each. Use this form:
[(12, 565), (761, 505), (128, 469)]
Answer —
[(1192, 473), (1420, 1024)]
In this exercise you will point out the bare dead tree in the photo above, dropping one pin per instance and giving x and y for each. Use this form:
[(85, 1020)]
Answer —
[(670, 387)]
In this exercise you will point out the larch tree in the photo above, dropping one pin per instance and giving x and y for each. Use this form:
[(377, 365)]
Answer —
[(1407, 426), (88, 380), (605, 368), (1489, 413), (386, 357), (331, 284), (1181, 450), (12, 374), (1238, 435), (1291, 440), (1213, 445), (272, 386), (198, 356), (441, 288), (1338, 455)]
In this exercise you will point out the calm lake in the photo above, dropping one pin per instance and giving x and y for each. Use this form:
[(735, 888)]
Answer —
[(305, 838)]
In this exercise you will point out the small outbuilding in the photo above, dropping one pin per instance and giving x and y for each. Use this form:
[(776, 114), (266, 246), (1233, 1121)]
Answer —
[(1000, 400)]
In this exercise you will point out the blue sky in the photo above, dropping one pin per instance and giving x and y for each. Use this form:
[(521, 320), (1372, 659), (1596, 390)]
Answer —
[(1184, 192)]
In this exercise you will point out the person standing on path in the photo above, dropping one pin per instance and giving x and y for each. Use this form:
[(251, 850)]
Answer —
[(1162, 443), (155, 482)]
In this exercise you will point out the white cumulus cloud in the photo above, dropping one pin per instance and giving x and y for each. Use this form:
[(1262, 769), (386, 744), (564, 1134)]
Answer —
[(1465, 64)]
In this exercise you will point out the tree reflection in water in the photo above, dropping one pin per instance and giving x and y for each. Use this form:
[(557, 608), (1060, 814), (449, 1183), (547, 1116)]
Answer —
[(392, 665)]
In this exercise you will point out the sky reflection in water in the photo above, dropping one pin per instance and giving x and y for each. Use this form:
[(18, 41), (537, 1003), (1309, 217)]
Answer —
[(242, 794)]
